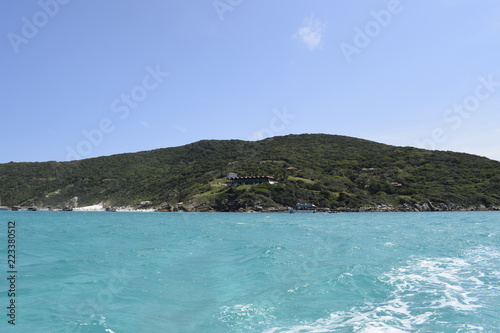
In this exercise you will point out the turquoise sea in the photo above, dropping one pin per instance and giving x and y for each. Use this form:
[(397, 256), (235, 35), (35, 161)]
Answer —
[(252, 272)]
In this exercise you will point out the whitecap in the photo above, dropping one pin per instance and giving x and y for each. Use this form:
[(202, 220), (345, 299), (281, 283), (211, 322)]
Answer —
[(246, 315)]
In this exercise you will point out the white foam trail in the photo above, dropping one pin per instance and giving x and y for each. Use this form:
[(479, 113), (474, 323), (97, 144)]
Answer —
[(444, 280), (421, 289), (246, 314)]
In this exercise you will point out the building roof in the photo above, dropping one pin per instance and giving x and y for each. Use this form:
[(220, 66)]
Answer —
[(254, 177)]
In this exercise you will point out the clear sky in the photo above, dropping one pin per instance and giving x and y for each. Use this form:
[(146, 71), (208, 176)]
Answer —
[(90, 78)]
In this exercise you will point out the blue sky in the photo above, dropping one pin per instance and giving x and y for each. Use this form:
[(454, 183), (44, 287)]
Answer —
[(90, 78)]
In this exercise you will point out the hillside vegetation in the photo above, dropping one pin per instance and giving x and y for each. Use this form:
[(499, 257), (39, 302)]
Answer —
[(333, 172)]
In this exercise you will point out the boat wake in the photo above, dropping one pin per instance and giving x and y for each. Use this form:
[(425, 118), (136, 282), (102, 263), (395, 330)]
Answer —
[(439, 292)]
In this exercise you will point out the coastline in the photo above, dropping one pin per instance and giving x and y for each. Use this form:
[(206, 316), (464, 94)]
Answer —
[(366, 209)]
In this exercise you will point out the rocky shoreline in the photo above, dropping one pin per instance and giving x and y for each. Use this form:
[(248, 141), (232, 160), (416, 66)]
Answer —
[(426, 207), (419, 207)]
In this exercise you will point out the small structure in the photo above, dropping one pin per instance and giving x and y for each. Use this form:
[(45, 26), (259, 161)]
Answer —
[(232, 175), (251, 180), (302, 208), (144, 204)]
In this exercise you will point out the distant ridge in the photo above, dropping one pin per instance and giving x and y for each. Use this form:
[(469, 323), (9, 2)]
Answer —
[(336, 173)]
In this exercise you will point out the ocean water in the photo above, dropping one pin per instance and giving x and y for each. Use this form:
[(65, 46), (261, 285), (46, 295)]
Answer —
[(273, 273)]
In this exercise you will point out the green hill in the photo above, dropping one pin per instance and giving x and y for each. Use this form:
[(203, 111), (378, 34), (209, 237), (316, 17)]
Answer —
[(332, 172)]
